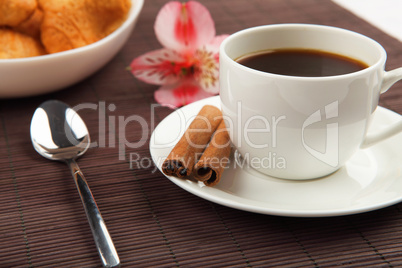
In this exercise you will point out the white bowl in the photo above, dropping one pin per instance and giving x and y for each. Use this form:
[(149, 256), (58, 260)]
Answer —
[(42, 74)]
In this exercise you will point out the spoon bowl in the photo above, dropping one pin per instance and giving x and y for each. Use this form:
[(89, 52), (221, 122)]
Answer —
[(59, 133)]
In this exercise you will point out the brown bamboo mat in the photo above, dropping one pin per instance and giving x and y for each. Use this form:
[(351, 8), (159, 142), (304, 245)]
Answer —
[(153, 222)]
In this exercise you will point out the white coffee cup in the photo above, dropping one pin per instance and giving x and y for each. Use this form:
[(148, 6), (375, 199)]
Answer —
[(302, 127)]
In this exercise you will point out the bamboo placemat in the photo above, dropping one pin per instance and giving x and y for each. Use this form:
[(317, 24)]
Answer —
[(153, 222)]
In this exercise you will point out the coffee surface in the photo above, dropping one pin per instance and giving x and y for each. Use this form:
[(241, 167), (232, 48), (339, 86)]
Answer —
[(301, 62)]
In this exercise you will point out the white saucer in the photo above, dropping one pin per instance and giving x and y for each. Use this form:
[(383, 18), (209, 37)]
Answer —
[(372, 179)]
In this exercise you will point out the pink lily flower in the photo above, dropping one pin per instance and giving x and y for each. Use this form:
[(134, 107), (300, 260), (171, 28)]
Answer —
[(187, 68)]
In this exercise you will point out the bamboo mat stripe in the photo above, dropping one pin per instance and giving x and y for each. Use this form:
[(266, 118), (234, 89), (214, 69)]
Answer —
[(154, 223)]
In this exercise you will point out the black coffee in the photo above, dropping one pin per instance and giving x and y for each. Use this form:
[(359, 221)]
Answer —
[(301, 62)]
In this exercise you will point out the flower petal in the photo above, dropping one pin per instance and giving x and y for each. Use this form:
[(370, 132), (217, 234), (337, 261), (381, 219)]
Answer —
[(207, 71), (215, 43), (180, 94), (157, 67), (184, 26)]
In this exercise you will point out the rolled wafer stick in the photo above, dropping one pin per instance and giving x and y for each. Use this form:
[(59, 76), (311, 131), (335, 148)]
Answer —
[(180, 162), (215, 158)]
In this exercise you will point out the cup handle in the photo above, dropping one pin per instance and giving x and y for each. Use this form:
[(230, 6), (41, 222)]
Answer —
[(389, 79)]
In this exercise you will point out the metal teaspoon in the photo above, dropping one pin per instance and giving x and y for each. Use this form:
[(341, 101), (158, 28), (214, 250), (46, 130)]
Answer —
[(59, 133)]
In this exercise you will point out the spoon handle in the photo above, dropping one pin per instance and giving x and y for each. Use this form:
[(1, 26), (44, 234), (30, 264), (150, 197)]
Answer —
[(103, 241)]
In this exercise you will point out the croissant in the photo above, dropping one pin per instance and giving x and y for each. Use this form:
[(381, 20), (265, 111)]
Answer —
[(31, 26), (18, 45), (69, 24), (14, 12)]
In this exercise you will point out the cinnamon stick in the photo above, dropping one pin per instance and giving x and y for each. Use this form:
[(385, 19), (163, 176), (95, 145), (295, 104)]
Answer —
[(180, 162), (215, 158)]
